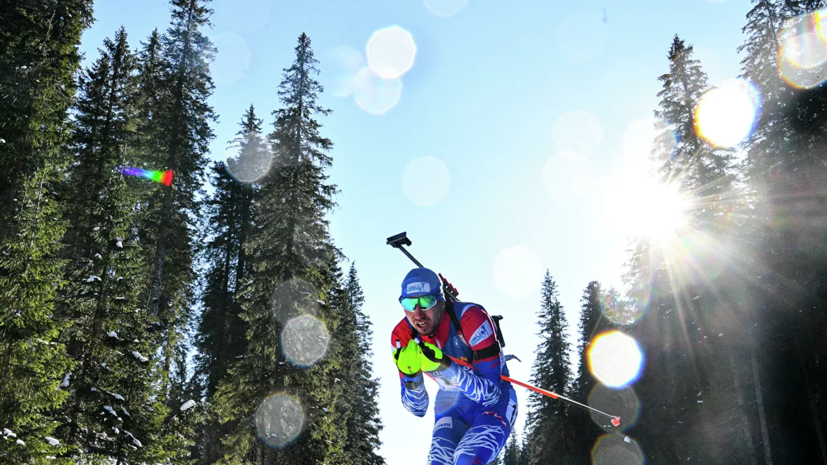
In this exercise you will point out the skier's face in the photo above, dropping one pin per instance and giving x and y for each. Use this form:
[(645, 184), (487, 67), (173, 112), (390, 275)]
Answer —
[(426, 321)]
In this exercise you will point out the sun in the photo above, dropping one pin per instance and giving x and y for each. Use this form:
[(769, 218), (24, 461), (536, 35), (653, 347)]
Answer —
[(642, 206)]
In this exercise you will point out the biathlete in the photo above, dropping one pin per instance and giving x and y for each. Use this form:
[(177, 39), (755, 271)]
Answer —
[(474, 409)]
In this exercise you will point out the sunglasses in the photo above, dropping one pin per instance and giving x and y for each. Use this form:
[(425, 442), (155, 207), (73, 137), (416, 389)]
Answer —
[(425, 302)]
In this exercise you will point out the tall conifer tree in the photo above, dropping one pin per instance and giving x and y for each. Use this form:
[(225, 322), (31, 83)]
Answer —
[(549, 428), (38, 56), (221, 335), (114, 410), (180, 134), (292, 255)]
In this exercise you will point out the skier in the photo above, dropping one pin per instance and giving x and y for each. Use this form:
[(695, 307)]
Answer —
[(474, 409)]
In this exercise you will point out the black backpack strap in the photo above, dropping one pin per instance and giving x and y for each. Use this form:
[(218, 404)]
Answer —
[(449, 308), (489, 351)]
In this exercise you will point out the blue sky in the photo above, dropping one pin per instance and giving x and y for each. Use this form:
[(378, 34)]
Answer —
[(476, 120)]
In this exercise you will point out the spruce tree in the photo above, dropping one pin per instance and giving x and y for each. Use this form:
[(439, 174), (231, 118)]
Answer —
[(511, 456), (113, 411), (784, 171), (548, 424), (180, 133), (229, 222), (292, 255), (360, 390), (591, 325), (38, 56)]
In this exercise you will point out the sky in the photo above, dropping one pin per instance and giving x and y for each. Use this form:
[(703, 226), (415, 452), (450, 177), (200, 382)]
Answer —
[(513, 142)]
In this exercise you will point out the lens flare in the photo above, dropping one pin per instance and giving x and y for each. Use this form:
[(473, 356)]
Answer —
[(279, 420), (621, 402), (567, 176), (726, 114), (617, 449), (232, 61), (163, 177), (426, 181), (445, 8), (644, 138), (304, 340), (577, 131), (342, 65), (615, 359), (249, 166), (641, 206), (293, 298), (375, 94), (517, 271), (391, 52), (619, 311), (802, 55)]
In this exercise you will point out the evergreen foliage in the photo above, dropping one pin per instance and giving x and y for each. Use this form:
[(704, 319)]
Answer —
[(292, 257), (113, 411), (229, 221), (38, 56), (548, 420)]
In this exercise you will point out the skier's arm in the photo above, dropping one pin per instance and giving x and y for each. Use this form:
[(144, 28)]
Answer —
[(414, 395), (483, 383)]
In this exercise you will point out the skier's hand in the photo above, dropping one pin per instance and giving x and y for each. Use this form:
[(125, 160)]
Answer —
[(431, 358), (407, 358)]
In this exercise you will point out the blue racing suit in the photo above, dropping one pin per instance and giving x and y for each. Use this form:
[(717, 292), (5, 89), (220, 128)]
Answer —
[(474, 409)]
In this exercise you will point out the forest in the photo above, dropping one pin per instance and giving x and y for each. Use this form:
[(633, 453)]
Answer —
[(152, 303)]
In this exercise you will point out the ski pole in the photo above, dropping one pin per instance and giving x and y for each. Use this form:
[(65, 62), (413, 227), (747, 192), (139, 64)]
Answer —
[(399, 241), (615, 419)]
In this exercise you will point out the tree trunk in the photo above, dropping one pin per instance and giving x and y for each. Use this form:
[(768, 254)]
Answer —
[(762, 416)]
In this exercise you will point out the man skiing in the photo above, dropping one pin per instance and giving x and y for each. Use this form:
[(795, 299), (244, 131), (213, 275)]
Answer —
[(474, 409)]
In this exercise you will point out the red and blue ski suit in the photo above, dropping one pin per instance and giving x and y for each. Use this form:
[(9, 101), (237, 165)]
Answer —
[(474, 409)]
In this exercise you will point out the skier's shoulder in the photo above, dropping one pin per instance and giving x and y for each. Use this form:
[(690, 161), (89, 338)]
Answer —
[(476, 324), (401, 332)]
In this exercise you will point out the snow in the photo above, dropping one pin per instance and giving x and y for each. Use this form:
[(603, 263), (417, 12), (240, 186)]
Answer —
[(188, 405), (98, 256), (66, 378), (110, 410), (96, 228), (117, 396), (134, 439), (20, 443), (112, 334), (119, 244), (696, 297), (93, 278), (7, 433), (116, 430), (321, 302), (325, 410), (52, 441), (626, 439), (94, 389), (140, 357)]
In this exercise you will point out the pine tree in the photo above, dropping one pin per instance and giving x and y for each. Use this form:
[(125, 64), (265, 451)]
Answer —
[(292, 256), (785, 171), (511, 456), (114, 409), (591, 325), (360, 391), (548, 424), (229, 220), (38, 56), (180, 134)]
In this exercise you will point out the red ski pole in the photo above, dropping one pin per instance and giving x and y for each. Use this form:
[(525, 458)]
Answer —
[(615, 419)]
